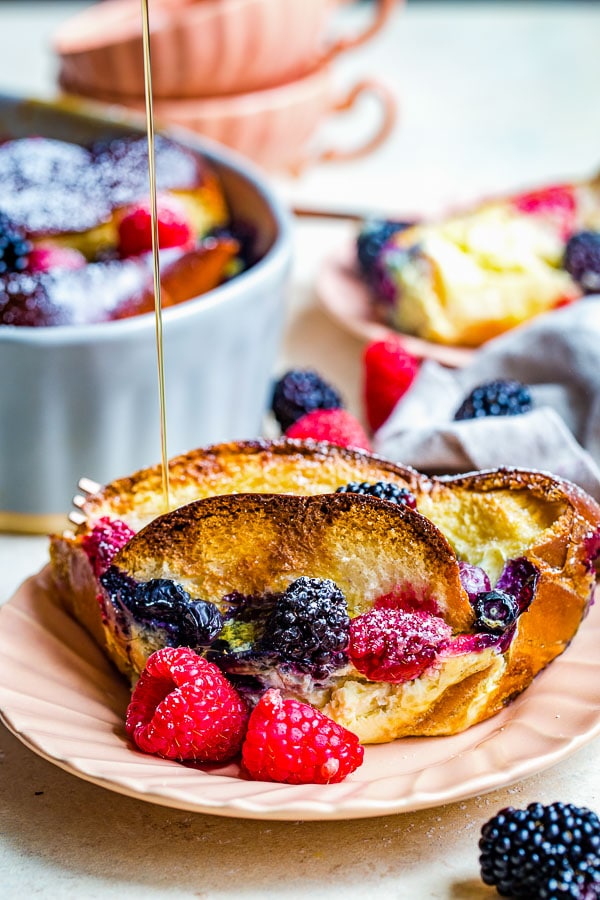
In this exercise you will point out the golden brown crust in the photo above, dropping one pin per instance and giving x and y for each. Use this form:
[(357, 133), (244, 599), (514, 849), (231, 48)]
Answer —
[(256, 543)]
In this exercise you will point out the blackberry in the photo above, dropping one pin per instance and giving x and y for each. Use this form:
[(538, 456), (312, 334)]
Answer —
[(14, 246), (301, 391), (519, 578), (542, 852), (309, 626), (582, 260), (374, 234), (495, 611), (495, 398), (383, 490)]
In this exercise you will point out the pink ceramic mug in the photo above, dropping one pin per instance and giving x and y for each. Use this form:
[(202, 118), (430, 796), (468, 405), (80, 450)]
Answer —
[(202, 48), (277, 127)]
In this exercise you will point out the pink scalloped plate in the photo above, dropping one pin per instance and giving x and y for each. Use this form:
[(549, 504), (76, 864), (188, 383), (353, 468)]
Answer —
[(61, 697), (347, 299)]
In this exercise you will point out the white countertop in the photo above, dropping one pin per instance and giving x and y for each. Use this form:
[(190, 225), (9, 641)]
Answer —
[(491, 96)]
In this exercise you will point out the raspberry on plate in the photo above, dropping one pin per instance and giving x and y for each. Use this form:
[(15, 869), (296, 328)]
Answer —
[(291, 742), (338, 426), (183, 708), (396, 646), (388, 372), (135, 228)]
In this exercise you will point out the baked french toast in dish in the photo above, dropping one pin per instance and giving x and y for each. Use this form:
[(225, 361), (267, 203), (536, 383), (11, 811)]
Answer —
[(417, 617)]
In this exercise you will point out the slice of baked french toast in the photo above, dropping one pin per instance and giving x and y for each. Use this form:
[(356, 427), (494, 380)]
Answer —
[(394, 620)]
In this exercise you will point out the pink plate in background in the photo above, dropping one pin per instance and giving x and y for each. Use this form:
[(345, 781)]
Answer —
[(347, 299), (62, 698)]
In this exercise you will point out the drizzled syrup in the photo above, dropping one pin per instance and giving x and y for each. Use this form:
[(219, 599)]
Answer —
[(155, 248)]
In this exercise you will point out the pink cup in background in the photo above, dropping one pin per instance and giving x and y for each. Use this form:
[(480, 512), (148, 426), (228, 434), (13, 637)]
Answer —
[(273, 127), (202, 48)]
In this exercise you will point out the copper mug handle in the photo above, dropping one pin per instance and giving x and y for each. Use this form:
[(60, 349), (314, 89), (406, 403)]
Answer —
[(384, 10), (387, 103)]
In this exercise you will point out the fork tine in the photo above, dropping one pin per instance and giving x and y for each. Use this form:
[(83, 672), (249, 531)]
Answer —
[(76, 518), (87, 486)]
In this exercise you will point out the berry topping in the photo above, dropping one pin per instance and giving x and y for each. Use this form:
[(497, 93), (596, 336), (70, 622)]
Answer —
[(182, 707), (396, 646), (383, 490), (42, 259), (542, 852), (291, 742), (374, 234), (473, 579), (309, 626), (388, 372), (582, 260), (519, 578), (104, 541), (49, 186), (299, 392), (556, 204), (165, 604), (337, 426), (495, 611), (495, 398), (135, 227), (14, 247)]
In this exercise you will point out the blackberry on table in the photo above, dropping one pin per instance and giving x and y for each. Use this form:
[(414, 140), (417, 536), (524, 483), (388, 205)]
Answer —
[(542, 852), (299, 392), (495, 398), (371, 239), (582, 259), (309, 626), (383, 490), (495, 611), (14, 246)]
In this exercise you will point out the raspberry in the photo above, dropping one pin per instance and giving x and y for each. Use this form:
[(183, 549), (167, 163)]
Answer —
[(291, 742), (396, 646), (135, 228), (14, 246), (388, 372), (337, 426), (555, 203), (183, 708), (104, 541), (372, 237), (582, 260), (42, 259), (299, 392), (495, 398), (383, 490), (309, 626), (542, 852)]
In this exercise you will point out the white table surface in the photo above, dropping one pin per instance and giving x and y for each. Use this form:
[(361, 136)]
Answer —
[(491, 96)]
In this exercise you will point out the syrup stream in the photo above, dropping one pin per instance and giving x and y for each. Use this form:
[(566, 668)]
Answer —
[(155, 247)]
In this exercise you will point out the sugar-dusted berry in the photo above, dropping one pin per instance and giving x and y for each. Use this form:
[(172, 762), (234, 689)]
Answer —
[(338, 426), (309, 626), (292, 742), (135, 227), (104, 541), (396, 646), (183, 707)]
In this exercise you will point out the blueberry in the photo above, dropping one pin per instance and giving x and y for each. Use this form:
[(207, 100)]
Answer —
[(582, 260), (495, 611)]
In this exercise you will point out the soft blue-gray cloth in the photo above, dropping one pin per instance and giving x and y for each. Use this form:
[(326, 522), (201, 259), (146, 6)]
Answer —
[(558, 356)]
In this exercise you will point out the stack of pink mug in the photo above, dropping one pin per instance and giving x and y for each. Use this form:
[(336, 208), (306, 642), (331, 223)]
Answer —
[(255, 75)]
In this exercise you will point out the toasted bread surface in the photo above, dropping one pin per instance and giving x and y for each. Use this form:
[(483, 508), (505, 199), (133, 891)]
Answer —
[(254, 516)]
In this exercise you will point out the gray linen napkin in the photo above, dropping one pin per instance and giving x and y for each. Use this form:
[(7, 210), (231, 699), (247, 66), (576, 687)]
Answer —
[(558, 356)]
